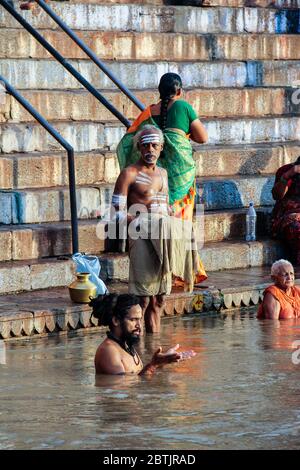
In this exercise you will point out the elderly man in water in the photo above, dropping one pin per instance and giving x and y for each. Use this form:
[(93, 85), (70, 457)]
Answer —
[(281, 300), (117, 354)]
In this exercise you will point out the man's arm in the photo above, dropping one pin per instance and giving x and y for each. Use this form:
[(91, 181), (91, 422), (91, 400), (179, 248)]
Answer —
[(120, 194), (108, 361)]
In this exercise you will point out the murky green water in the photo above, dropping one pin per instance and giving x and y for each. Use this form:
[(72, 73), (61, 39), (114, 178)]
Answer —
[(241, 391)]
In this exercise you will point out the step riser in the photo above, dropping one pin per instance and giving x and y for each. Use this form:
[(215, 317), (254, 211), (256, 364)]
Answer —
[(163, 19), (47, 206), (19, 172), (153, 46), (233, 194), (215, 258), (52, 170), (25, 207), (41, 242), (32, 277), (85, 137), (44, 74), (81, 106), (243, 161)]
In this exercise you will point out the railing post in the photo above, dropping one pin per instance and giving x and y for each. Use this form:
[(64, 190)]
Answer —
[(73, 203)]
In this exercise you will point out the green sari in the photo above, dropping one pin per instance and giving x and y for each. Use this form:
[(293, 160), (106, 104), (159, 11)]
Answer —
[(176, 158)]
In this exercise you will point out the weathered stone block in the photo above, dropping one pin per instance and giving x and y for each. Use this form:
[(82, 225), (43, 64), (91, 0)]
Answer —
[(46, 275), (6, 173), (13, 280), (5, 245)]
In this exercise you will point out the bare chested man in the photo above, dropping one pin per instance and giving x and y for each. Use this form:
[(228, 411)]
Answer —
[(143, 187), (117, 354)]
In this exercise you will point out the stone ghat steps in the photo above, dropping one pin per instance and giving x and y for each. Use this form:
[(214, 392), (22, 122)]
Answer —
[(205, 3), (124, 46), (33, 206), (30, 275), (43, 170), (79, 105), (33, 241), (88, 136), (216, 256), (150, 16), (34, 74)]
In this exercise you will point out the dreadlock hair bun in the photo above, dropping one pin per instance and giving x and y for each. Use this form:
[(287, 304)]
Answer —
[(168, 87), (105, 307)]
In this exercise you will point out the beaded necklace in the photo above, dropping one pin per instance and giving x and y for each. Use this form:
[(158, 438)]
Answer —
[(129, 349)]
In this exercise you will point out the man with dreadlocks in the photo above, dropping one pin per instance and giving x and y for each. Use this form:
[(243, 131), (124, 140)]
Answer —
[(117, 354)]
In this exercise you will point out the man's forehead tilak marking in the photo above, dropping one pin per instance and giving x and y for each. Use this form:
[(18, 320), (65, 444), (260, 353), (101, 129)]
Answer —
[(149, 138)]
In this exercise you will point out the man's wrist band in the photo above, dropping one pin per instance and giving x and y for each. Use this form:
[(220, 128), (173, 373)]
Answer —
[(283, 180)]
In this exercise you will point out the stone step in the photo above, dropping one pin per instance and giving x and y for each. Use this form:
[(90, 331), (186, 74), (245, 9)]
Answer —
[(49, 204), (45, 74), (29, 206), (47, 311), (30, 275), (89, 136), (79, 105), (21, 242), (216, 256), (149, 16), (43, 170), (124, 46)]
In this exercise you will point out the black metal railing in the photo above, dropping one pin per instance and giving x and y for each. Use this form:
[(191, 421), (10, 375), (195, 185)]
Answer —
[(65, 63), (90, 54), (70, 151), (86, 84)]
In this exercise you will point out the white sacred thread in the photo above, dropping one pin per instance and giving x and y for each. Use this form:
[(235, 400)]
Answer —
[(142, 178), (149, 138)]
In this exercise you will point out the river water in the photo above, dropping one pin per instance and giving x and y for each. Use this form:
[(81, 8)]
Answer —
[(241, 390)]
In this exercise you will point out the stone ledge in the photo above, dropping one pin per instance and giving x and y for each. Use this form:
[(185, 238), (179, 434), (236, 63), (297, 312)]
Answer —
[(223, 16), (34, 74), (51, 311), (131, 46), (19, 324)]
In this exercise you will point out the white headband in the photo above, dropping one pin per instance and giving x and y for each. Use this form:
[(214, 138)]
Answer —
[(147, 138)]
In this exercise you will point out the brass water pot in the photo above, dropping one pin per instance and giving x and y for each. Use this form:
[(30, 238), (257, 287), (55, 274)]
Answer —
[(82, 289)]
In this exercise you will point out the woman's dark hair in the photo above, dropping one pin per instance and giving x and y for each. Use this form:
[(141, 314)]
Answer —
[(105, 307), (168, 87)]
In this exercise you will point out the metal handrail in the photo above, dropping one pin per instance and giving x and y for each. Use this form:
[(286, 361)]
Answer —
[(90, 53), (70, 151), (65, 63)]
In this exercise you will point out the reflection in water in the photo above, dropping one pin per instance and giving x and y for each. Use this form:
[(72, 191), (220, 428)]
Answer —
[(240, 391)]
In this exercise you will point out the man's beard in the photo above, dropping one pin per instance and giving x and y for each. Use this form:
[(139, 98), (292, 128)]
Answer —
[(130, 338)]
